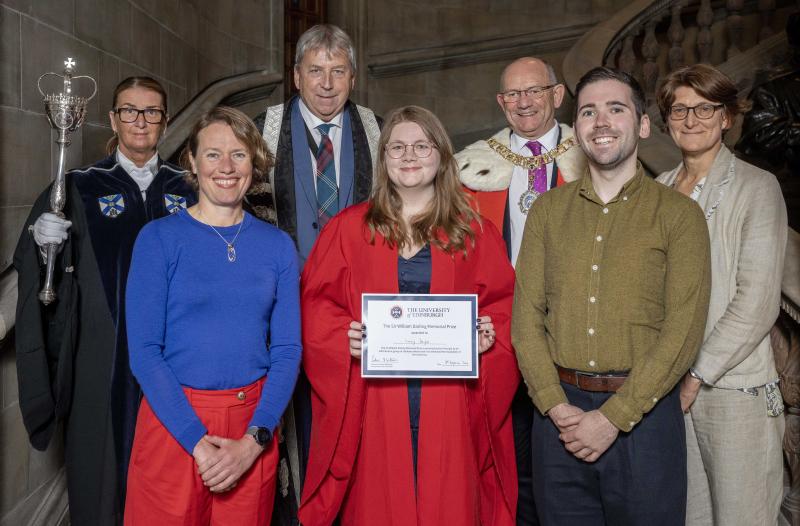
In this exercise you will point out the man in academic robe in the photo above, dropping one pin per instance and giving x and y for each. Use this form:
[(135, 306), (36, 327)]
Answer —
[(299, 132), (505, 174), (72, 355), (325, 147)]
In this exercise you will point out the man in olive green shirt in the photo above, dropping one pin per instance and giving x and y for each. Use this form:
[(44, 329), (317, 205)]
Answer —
[(610, 305)]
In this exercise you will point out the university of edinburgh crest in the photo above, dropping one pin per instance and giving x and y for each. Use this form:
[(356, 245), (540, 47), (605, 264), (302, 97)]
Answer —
[(111, 205), (174, 202)]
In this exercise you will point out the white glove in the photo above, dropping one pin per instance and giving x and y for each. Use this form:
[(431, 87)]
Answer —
[(50, 228)]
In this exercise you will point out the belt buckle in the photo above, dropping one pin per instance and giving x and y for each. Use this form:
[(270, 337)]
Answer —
[(584, 374)]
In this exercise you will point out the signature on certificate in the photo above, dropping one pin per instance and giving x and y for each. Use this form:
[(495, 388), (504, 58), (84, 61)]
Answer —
[(383, 359), (452, 363)]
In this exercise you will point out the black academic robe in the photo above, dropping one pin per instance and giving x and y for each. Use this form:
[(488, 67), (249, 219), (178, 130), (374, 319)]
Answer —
[(284, 189), (72, 356), (285, 509)]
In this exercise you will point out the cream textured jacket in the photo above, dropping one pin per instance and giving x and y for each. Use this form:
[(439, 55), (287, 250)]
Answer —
[(747, 224)]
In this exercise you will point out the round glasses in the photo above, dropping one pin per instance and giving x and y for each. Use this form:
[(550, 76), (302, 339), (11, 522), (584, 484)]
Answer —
[(702, 111), (421, 149), (151, 115), (534, 92)]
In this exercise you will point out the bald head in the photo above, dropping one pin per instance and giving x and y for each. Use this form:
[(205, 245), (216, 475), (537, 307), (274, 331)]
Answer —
[(528, 64), (536, 95)]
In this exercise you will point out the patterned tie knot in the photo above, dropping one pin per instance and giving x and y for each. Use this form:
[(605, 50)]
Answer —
[(324, 129), (535, 147)]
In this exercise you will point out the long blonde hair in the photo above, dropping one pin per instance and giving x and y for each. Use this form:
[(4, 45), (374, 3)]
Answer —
[(446, 221)]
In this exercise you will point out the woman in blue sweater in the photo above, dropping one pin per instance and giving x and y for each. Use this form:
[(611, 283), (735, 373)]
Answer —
[(214, 333)]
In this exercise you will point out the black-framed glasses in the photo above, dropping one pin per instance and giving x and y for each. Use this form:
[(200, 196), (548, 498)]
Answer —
[(534, 92), (703, 111), (422, 149), (151, 115)]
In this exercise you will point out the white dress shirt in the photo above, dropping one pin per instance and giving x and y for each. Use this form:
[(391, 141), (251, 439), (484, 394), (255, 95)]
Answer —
[(335, 133), (519, 183), (144, 175)]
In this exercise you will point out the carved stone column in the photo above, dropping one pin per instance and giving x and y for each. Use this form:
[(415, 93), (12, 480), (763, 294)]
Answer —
[(735, 27), (676, 35), (705, 17), (627, 57), (650, 50), (767, 10)]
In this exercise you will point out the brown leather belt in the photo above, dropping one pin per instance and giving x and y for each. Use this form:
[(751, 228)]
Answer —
[(596, 383)]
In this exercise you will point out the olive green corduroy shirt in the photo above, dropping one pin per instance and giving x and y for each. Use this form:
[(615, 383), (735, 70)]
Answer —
[(621, 286)]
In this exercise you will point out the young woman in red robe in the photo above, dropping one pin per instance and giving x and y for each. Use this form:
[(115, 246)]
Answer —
[(397, 452)]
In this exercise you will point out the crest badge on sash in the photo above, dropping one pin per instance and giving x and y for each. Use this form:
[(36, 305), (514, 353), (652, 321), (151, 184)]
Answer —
[(111, 205), (174, 202)]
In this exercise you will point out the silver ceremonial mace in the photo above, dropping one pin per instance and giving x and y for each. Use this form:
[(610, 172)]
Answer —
[(66, 112)]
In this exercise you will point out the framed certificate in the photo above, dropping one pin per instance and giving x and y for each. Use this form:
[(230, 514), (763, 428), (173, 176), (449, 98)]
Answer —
[(419, 336)]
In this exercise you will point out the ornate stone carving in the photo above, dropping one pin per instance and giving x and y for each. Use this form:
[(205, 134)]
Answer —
[(705, 17), (767, 10), (627, 57), (734, 25), (650, 49), (676, 35)]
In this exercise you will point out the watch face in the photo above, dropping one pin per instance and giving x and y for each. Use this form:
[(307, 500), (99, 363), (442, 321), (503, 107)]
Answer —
[(262, 436)]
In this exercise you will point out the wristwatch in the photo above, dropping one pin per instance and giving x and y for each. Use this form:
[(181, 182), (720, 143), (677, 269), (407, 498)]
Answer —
[(261, 435)]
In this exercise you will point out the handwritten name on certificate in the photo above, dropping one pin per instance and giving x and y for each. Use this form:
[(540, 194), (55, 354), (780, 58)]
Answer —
[(419, 336)]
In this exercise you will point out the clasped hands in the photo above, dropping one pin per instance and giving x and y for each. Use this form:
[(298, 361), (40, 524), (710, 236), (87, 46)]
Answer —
[(486, 336), (221, 462), (586, 434)]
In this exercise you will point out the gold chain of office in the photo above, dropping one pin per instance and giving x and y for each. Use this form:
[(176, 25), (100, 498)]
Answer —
[(531, 163)]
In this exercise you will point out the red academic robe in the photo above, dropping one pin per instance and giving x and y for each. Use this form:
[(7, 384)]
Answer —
[(360, 465), (492, 204)]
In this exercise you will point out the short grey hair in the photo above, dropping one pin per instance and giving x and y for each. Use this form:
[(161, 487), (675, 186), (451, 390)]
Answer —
[(329, 37), (551, 72)]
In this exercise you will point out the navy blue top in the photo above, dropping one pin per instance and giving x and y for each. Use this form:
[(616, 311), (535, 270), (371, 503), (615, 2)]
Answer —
[(195, 319), (414, 277)]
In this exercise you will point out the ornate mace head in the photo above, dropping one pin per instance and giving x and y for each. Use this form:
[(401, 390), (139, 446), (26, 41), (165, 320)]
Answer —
[(66, 109)]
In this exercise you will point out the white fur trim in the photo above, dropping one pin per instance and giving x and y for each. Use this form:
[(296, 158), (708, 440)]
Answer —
[(484, 170)]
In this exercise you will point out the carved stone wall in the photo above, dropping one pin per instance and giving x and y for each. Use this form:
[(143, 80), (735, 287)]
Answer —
[(447, 55)]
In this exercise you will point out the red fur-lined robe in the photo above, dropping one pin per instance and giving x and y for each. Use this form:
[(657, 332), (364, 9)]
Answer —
[(360, 465)]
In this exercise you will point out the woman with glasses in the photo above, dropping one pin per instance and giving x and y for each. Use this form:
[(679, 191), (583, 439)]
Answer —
[(734, 420), (73, 355), (397, 451)]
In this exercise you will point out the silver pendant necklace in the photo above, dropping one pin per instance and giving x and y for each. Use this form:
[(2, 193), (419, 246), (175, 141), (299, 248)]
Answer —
[(230, 244)]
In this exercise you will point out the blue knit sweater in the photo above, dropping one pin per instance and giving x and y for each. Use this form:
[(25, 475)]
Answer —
[(197, 320)]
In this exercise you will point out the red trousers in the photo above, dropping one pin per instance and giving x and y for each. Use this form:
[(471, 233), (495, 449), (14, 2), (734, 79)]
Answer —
[(164, 487)]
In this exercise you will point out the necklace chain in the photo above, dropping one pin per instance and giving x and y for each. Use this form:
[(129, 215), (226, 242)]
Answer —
[(230, 244), (531, 163)]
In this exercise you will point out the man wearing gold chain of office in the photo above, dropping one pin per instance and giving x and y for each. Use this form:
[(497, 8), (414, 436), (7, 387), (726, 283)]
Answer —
[(506, 174)]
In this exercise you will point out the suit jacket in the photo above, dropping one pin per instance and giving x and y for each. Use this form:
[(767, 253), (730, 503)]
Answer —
[(294, 198), (746, 218)]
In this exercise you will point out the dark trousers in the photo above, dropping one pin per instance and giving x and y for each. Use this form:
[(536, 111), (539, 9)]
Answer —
[(640, 480), (522, 410)]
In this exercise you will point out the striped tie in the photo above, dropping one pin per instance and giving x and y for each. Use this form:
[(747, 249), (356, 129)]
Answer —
[(327, 191)]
